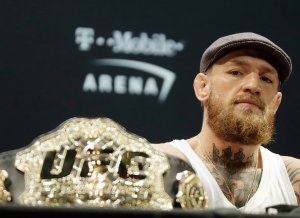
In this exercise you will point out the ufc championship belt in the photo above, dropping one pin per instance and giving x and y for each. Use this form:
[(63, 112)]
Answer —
[(96, 163)]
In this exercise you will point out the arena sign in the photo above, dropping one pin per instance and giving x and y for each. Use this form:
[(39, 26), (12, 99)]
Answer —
[(146, 79)]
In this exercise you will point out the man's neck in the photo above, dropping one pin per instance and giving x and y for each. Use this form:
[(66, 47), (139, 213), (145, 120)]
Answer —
[(231, 156)]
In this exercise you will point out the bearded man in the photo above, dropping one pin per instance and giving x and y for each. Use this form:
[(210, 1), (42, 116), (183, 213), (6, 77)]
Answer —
[(238, 87)]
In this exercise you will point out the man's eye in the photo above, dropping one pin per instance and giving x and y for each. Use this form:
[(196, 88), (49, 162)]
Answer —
[(235, 72), (266, 79)]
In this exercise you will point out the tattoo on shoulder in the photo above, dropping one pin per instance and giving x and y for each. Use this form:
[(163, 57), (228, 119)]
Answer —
[(294, 174)]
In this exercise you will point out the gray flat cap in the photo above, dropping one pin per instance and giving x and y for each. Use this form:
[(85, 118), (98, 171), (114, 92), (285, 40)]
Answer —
[(266, 48)]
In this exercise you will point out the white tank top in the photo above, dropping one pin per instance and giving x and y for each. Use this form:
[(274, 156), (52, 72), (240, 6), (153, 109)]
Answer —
[(274, 188)]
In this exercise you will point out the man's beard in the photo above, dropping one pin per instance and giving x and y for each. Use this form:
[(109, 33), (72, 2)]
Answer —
[(239, 125)]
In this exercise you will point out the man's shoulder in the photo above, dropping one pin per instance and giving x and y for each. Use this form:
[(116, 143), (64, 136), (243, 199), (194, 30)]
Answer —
[(169, 149), (293, 169), (292, 165), (291, 162)]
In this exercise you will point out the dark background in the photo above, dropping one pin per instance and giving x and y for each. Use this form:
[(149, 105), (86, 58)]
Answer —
[(42, 71)]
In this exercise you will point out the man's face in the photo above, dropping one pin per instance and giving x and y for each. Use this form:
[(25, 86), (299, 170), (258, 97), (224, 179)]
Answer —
[(243, 98)]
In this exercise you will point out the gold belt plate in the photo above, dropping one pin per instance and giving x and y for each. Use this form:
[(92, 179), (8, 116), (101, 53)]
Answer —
[(93, 162)]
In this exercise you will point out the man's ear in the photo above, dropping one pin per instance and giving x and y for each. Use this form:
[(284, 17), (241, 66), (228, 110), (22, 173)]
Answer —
[(201, 87), (277, 101)]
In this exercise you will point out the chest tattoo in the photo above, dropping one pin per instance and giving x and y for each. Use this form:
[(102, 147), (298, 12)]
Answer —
[(237, 176)]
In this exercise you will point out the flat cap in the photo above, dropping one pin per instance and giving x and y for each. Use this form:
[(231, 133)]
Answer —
[(266, 48)]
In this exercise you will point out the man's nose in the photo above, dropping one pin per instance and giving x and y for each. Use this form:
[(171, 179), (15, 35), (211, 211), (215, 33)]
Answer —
[(251, 84)]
